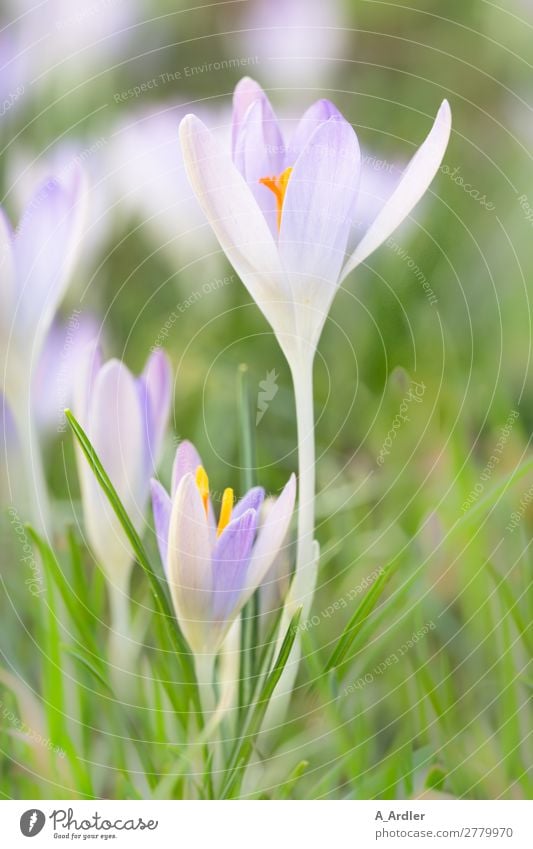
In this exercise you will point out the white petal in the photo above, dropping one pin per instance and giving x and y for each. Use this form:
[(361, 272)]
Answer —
[(271, 537), (237, 222), (115, 428), (415, 181), (189, 564), (316, 220)]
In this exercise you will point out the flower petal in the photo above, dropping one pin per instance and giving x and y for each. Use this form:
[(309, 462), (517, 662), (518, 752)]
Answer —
[(316, 221), (230, 563), (415, 181), (247, 91), (189, 564), (253, 499), (317, 114), (237, 222), (260, 152), (155, 386), (161, 508), (45, 246), (115, 428), (186, 462), (113, 424), (270, 537)]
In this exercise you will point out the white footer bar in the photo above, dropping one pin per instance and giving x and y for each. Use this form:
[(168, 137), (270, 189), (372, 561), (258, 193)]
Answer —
[(268, 825)]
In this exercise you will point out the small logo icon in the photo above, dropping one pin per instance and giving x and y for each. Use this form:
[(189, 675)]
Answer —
[(269, 389), (32, 822)]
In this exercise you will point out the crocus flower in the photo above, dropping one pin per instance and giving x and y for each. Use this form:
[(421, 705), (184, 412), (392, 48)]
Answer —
[(35, 264), (28, 165), (125, 419), (214, 567), (283, 212)]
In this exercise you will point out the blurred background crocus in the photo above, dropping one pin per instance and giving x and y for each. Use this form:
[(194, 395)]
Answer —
[(125, 418), (295, 39), (214, 567), (36, 261), (57, 372)]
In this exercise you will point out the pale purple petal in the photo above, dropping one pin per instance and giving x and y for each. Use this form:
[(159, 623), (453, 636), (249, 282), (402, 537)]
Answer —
[(252, 500), (45, 246), (316, 221), (231, 556), (260, 152), (155, 386), (189, 565), (116, 430), (186, 462), (113, 423), (161, 508), (317, 114), (271, 537), (246, 92), (414, 183), (237, 222)]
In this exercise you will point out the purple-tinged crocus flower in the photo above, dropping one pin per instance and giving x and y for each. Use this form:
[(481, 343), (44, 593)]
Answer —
[(36, 260), (283, 212), (214, 567), (125, 419)]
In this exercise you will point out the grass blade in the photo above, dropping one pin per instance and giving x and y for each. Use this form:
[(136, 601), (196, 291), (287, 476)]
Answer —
[(358, 619)]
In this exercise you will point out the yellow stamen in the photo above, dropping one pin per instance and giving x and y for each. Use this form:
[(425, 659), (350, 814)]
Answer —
[(278, 185), (202, 482), (225, 510)]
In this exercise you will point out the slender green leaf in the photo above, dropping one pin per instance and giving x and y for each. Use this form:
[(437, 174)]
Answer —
[(285, 789), (358, 619), (511, 604), (57, 576)]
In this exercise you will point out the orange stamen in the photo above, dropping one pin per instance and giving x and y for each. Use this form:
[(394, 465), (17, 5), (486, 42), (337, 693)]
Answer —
[(225, 510), (202, 482), (278, 185)]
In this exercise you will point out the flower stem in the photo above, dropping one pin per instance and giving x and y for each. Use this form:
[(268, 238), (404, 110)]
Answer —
[(303, 584), (121, 648), (31, 458)]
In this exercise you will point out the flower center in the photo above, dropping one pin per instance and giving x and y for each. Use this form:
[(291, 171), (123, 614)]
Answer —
[(278, 185), (226, 508)]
